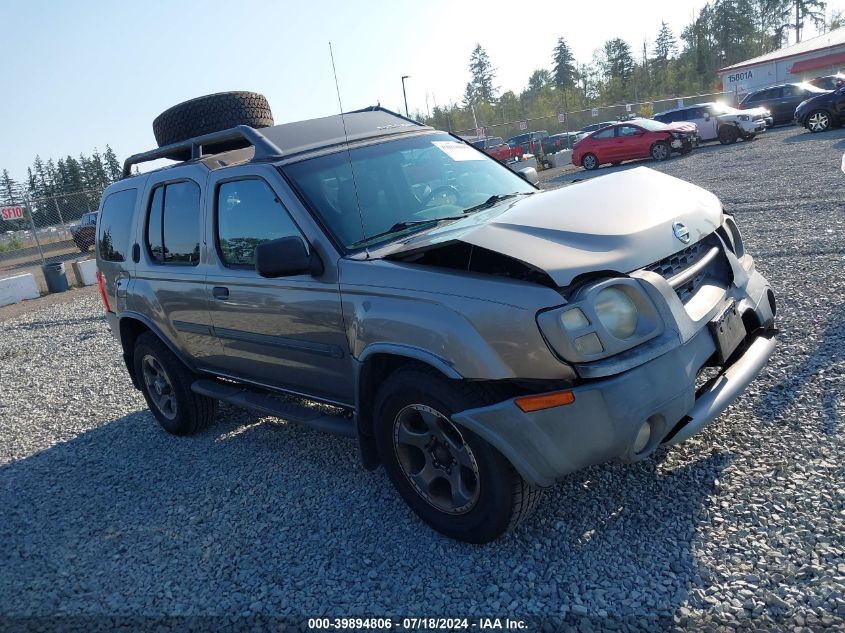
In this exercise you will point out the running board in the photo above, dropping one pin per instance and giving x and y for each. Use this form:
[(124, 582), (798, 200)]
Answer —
[(267, 403)]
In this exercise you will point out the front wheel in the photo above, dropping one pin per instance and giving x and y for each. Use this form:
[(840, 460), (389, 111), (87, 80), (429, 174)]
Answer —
[(661, 151), (451, 478), (818, 121), (166, 385), (590, 162)]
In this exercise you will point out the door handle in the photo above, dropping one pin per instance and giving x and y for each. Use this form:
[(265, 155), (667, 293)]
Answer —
[(220, 292)]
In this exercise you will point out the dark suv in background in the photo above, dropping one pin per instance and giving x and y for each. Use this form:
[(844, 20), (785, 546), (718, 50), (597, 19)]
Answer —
[(781, 100), (526, 143), (822, 112)]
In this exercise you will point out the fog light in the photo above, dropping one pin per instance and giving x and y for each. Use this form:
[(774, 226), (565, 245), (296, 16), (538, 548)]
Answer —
[(588, 345), (643, 436)]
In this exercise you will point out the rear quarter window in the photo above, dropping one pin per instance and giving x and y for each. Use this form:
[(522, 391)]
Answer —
[(116, 225)]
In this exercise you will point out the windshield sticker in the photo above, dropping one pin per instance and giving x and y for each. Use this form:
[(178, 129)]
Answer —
[(458, 151)]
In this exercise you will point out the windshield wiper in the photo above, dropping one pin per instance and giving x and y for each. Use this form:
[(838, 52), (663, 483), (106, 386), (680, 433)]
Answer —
[(495, 199), (402, 226)]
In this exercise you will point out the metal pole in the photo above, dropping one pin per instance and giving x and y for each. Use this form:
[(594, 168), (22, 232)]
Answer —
[(59, 211), (404, 77), (34, 231)]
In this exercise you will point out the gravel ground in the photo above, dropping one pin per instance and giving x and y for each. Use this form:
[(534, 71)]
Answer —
[(102, 513)]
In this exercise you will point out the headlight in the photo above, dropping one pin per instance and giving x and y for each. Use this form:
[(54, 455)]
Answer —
[(601, 320), (617, 312)]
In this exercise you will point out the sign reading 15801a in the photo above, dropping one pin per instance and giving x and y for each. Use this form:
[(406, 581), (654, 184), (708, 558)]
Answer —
[(11, 213)]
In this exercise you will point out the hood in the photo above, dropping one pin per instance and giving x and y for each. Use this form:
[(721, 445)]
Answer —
[(683, 126), (619, 222), (761, 112)]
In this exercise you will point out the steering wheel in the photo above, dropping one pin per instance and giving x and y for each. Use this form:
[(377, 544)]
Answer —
[(450, 194)]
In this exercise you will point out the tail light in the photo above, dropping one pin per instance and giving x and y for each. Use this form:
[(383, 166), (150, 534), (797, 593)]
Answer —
[(531, 147), (101, 284)]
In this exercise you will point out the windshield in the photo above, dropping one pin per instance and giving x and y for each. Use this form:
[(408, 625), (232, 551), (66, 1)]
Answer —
[(408, 183)]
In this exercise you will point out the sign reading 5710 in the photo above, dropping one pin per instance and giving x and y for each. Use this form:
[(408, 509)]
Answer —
[(11, 213)]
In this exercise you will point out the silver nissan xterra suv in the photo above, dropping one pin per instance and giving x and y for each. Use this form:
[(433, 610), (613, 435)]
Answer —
[(370, 276)]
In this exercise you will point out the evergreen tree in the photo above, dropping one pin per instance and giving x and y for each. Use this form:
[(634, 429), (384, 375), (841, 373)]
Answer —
[(665, 46), (113, 169), (563, 70), (483, 75), (837, 21), (618, 61), (10, 190)]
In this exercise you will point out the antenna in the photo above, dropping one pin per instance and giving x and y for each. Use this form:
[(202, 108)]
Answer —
[(348, 153)]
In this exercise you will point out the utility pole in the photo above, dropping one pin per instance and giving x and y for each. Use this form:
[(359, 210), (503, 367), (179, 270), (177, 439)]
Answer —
[(404, 77)]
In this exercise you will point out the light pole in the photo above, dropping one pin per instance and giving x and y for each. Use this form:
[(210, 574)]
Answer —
[(404, 77)]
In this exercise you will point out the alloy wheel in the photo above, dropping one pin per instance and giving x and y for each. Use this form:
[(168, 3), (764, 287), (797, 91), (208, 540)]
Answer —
[(589, 162), (818, 122), (435, 459), (159, 387), (659, 152)]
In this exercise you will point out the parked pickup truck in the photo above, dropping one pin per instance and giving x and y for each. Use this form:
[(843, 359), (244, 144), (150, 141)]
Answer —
[(495, 147), (83, 233), (366, 275)]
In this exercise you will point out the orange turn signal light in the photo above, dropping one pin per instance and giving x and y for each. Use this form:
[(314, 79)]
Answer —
[(544, 401)]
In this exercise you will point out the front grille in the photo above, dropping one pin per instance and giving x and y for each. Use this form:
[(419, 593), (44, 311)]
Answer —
[(677, 263)]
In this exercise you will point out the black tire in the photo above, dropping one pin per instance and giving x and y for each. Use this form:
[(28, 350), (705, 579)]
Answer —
[(818, 121), (661, 151), (749, 137), (503, 500), (211, 113), (192, 412), (589, 162), (728, 135)]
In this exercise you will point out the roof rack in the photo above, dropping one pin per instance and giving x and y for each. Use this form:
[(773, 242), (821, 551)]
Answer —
[(224, 140)]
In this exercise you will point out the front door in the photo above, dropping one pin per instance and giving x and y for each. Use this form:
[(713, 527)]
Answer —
[(286, 332), (706, 121)]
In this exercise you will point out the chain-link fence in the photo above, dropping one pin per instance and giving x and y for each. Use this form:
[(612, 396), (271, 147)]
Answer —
[(573, 120), (46, 230)]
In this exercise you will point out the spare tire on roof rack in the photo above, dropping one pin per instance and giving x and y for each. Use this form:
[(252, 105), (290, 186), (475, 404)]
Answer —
[(211, 113)]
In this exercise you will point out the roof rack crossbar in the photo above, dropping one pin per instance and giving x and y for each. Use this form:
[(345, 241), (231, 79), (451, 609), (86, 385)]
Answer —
[(264, 148)]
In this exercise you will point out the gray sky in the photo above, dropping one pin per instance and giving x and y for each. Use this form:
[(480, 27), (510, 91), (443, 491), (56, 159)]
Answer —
[(81, 74)]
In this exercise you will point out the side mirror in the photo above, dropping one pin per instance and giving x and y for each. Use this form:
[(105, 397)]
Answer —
[(285, 257), (529, 174)]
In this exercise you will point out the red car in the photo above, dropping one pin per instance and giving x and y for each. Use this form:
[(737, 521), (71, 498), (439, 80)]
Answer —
[(629, 140), (495, 147)]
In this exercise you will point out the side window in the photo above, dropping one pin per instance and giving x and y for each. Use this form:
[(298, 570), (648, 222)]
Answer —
[(606, 133), (626, 130), (173, 224), (248, 214), (116, 225), (792, 91)]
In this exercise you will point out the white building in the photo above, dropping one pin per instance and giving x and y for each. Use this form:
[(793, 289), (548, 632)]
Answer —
[(820, 55)]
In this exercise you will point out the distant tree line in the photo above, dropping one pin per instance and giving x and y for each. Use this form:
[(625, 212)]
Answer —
[(54, 187), (723, 32)]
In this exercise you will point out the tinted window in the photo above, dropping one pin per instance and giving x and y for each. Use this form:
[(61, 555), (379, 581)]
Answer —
[(248, 214), (116, 225), (155, 240), (173, 226)]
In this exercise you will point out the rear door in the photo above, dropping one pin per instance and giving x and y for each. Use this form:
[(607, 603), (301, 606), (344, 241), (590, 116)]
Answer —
[(605, 145), (706, 121), (170, 279), (285, 332)]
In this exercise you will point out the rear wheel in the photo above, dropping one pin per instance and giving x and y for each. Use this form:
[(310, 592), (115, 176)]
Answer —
[(166, 385), (451, 478), (818, 121), (661, 150), (589, 162), (728, 135)]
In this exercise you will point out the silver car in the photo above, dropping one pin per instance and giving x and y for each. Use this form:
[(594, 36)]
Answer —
[(369, 276)]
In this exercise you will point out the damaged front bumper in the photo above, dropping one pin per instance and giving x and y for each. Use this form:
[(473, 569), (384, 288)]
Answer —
[(656, 400)]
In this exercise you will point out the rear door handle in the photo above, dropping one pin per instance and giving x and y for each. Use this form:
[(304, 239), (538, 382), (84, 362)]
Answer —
[(220, 292)]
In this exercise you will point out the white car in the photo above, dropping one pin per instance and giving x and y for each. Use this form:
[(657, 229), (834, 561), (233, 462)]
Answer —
[(719, 121)]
